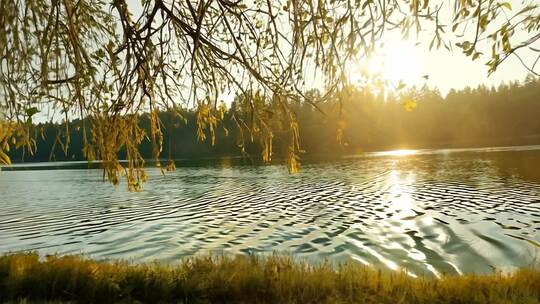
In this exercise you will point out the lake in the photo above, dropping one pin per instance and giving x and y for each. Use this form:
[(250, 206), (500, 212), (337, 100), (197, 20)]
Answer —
[(428, 211)]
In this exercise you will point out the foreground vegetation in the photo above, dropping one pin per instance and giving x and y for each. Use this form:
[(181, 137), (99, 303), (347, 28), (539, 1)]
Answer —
[(247, 280)]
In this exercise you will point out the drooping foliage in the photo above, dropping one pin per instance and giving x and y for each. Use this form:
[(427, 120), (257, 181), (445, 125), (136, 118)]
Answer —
[(111, 63)]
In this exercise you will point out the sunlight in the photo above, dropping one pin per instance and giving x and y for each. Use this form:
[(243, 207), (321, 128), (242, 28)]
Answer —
[(403, 152), (396, 61)]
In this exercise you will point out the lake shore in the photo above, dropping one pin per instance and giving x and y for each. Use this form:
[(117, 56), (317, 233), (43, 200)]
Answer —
[(247, 279)]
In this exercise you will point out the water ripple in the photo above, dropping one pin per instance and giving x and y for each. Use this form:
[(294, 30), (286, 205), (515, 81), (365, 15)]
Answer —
[(430, 214)]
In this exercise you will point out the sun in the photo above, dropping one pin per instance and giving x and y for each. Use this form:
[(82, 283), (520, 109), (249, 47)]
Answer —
[(395, 61)]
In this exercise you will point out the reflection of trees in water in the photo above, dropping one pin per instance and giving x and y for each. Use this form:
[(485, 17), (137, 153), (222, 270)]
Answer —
[(526, 165)]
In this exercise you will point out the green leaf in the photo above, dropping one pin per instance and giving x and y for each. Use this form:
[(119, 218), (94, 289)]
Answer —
[(507, 5), (31, 111), (465, 45), (368, 2)]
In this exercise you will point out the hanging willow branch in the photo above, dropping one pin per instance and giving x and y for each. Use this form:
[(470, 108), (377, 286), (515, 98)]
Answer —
[(111, 63)]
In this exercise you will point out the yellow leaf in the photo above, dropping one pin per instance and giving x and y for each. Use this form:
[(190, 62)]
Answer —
[(410, 105), (4, 159)]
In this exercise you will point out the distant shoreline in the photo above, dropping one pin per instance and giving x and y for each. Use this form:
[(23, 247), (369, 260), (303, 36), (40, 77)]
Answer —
[(205, 161)]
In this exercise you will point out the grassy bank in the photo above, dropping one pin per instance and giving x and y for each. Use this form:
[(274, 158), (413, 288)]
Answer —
[(246, 280)]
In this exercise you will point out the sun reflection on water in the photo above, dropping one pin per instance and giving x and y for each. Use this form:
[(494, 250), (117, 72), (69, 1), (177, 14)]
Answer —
[(405, 217), (402, 152)]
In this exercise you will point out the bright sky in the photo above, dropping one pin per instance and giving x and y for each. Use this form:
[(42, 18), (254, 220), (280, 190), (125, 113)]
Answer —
[(455, 70), (410, 60), (407, 61)]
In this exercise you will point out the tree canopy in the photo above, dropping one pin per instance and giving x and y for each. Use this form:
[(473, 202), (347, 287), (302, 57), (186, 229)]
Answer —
[(107, 63)]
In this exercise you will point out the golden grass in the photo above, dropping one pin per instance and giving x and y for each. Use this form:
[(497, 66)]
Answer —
[(241, 279)]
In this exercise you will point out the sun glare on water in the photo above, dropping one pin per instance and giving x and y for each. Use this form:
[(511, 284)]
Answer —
[(404, 152)]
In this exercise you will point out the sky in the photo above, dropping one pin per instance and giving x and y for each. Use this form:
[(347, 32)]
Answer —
[(407, 61), (411, 60)]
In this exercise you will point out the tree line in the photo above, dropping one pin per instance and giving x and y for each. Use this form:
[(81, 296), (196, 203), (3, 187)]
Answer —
[(355, 121)]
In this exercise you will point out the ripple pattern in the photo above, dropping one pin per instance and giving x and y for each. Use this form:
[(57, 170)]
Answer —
[(427, 214)]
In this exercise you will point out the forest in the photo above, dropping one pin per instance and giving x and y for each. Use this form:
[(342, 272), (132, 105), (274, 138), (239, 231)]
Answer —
[(356, 121)]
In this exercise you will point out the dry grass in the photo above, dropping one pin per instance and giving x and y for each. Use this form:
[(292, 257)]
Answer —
[(274, 279)]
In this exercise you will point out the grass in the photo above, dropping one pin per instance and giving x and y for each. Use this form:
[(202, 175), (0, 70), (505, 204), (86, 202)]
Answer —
[(246, 279)]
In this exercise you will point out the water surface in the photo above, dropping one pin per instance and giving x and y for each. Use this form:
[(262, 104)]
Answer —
[(429, 211)]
